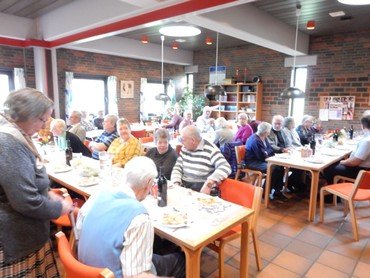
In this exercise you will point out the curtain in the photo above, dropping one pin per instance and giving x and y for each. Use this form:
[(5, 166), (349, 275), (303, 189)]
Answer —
[(19, 79), (68, 93), (112, 95)]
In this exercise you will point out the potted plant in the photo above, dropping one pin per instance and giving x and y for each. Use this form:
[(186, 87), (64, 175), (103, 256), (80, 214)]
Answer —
[(191, 101)]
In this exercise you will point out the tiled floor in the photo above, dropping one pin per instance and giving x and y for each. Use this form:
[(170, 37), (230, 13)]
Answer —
[(290, 246)]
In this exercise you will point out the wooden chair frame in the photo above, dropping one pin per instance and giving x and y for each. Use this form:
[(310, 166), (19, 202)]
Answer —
[(255, 175)]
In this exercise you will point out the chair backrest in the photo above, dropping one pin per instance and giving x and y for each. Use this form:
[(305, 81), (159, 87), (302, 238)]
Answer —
[(228, 151), (178, 149), (240, 153), (139, 133), (72, 267), (146, 139), (363, 179), (244, 194)]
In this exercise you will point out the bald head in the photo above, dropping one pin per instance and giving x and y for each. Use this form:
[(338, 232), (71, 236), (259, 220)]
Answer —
[(58, 127), (191, 137), (277, 122)]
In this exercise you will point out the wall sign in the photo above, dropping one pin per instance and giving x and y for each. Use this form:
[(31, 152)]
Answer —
[(337, 108), (127, 89)]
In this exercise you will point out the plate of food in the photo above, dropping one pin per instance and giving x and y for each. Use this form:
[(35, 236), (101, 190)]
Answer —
[(175, 219), (88, 171), (88, 181), (314, 160), (208, 201), (61, 169)]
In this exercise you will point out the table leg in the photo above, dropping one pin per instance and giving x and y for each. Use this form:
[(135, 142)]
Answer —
[(268, 184), (244, 250), (313, 195), (192, 262)]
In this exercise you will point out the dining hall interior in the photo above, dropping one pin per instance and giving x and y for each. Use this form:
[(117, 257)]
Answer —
[(306, 60)]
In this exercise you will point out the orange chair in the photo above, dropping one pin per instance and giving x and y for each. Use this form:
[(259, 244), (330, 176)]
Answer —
[(139, 133), (178, 149), (359, 190), (72, 267), (253, 175), (246, 195), (147, 139)]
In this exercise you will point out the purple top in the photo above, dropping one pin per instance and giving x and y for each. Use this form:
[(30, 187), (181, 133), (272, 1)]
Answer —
[(175, 122), (244, 132)]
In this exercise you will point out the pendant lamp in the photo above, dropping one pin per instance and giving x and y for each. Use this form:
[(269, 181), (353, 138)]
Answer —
[(212, 91), (162, 96), (294, 92)]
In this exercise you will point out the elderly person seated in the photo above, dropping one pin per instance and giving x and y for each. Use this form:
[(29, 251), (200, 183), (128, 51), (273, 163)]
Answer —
[(123, 242), (98, 120), (223, 133), (258, 149), (163, 154), (76, 126), (244, 130), (200, 165), (103, 142), (59, 129), (187, 120), (203, 122), (290, 133), (126, 146), (305, 130), (85, 122), (176, 119)]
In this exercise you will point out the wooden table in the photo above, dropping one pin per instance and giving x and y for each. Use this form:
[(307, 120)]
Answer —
[(205, 226), (327, 157)]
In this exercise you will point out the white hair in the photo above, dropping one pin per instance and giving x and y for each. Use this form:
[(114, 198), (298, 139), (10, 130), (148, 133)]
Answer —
[(263, 127), (138, 172)]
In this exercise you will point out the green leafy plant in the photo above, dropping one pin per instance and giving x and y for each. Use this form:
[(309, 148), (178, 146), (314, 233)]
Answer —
[(191, 101)]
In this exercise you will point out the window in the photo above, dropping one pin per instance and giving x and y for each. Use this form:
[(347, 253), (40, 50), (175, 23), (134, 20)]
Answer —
[(89, 94), (296, 105), (6, 85), (150, 107)]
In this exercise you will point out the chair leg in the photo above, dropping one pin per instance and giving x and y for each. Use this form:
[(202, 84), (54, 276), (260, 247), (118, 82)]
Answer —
[(322, 204), (345, 208), (353, 219), (256, 249), (221, 260), (237, 174)]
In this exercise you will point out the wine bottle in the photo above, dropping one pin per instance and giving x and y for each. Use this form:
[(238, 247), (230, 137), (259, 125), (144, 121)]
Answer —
[(313, 144), (351, 132), (215, 192), (69, 153), (162, 189)]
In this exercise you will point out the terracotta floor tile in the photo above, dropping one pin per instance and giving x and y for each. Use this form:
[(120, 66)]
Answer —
[(208, 264), (235, 261), (365, 256), (275, 239), (268, 251), (337, 261), (345, 244), (305, 250), (266, 222), (314, 238), (288, 229), (230, 272), (319, 270), (324, 228), (275, 271), (292, 262), (361, 270)]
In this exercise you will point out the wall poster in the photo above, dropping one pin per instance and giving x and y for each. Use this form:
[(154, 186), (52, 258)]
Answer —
[(127, 89), (337, 108)]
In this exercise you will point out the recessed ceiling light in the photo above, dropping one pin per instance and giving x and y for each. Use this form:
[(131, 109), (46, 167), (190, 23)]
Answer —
[(336, 14), (355, 2), (179, 31), (180, 40)]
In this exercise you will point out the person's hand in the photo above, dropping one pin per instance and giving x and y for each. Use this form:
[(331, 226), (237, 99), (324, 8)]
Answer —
[(55, 197), (286, 150), (206, 188)]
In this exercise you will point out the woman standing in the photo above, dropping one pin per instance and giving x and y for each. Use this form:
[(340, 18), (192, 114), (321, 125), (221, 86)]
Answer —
[(26, 204), (126, 146)]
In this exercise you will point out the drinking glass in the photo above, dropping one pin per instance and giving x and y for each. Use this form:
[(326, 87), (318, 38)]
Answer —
[(105, 160)]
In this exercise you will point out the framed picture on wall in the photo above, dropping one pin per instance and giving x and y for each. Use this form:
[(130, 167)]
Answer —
[(127, 89)]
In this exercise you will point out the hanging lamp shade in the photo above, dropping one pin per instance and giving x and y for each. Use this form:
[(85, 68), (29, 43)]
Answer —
[(162, 97), (292, 92)]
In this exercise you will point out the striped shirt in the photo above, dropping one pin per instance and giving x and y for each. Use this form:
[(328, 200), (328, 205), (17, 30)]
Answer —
[(205, 162), (106, 138), (123, 152)]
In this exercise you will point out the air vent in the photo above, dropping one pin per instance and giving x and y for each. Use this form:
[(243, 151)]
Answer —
[(347, 17)]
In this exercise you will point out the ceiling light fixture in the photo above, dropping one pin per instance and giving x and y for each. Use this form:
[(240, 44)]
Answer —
[(310, 25), (292, 91), (144, 39), (337, 14), (355, 2), (179, 31), (209, 41), (175, 45), (162, 96), (215, 90)]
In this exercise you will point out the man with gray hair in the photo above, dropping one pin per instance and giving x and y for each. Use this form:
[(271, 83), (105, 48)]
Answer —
[(200, 165), (123, 242), (76, 127), (103, 142)]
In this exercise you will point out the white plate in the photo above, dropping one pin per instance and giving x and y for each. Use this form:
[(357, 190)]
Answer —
[(88, 181), (62, 169), (314, 160), (282, 155)]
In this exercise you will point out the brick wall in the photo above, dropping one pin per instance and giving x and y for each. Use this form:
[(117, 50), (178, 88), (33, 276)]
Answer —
[(81, 62), (13, 57), (343, 68)]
